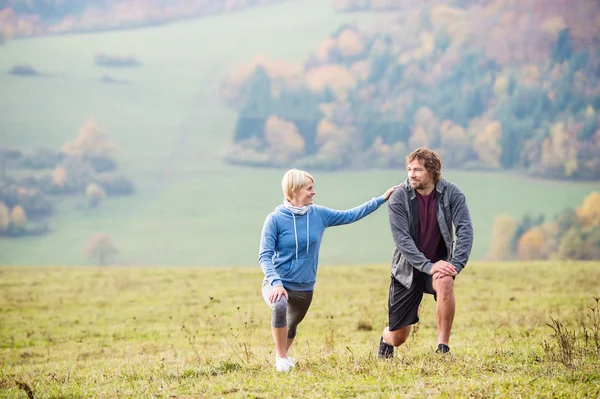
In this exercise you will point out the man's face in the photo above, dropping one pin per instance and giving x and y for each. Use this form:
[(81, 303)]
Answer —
[(419, 177)]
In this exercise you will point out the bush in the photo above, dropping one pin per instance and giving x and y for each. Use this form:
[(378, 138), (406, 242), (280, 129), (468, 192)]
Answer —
[(33, 201), (108, 60), (23, 70), (102, 164), (114, 184), (42, 158)]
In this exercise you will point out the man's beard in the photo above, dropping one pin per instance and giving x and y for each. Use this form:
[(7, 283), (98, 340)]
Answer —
[(417, 185)]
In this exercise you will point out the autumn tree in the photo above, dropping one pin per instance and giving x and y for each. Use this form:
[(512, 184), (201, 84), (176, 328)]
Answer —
[(530, 244), (4, 218), (59, 177), (337, 78), (101, 248), (349, 43), (500, 247), (284, 141), (455, 143), (18, 219), (91, 141), (589, 212), (487, 144)]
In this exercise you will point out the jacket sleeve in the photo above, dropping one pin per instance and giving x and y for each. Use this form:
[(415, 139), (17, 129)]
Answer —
[(399, 224), (461, 219), (268, 243), (332, 217)]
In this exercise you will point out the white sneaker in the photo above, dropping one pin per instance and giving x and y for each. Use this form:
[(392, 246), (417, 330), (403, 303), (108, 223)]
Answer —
[(282, 364)]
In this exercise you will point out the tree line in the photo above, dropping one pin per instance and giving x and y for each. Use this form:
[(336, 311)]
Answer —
[(31, 181), (26, 18), (573, 234), (486, 84)]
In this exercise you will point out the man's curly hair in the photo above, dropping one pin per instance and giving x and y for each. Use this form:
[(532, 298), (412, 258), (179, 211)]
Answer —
[(431, 160)]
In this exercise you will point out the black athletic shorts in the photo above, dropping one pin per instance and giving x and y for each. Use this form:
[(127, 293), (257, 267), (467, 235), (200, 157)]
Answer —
[(403, 303)]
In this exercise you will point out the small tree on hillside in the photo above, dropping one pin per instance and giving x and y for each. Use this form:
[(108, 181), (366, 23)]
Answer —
[(101, 248), (95, 194), (91, 141)]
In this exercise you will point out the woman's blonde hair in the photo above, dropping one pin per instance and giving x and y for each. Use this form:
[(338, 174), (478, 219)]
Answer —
[(293, 181)]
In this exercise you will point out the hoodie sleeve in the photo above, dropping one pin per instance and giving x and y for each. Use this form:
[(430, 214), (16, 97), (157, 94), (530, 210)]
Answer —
[(332, 217), (268, 243)]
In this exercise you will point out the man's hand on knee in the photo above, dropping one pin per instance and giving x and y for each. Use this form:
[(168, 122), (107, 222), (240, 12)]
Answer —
[(441, 269)]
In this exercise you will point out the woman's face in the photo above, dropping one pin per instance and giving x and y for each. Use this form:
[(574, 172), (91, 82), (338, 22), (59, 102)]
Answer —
[(305, 195)]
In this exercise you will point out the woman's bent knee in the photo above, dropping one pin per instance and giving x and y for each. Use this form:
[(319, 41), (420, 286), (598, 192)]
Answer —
[(279, 313)]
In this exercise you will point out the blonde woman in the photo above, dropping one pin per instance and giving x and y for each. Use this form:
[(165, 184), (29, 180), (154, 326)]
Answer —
[(289, 254)]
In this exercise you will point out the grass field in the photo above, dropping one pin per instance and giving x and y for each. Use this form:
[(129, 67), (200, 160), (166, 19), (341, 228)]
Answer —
[(204, 332), (190, 207)]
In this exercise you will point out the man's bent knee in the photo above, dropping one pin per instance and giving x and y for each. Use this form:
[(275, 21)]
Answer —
[(444, 285), (398, 337)]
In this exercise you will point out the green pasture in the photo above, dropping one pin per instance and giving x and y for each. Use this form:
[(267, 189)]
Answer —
[(190, 208), (136, 332)]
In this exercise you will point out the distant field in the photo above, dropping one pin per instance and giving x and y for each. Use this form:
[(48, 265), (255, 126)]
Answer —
[(191, 208), (204, 332)]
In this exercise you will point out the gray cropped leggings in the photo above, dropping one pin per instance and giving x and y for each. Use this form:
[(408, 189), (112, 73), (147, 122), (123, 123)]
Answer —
[(288, 312)]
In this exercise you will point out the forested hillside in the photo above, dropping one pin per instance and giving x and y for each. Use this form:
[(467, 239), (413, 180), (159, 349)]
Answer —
[(24, 18), (489, 84)]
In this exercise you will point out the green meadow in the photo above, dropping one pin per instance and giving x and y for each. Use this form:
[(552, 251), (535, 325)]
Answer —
[(132, 332), (190, 208)]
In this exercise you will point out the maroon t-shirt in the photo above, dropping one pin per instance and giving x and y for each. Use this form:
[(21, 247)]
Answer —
[(431, 243)]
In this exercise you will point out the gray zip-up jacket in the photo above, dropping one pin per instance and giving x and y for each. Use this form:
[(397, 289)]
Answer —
[(403, 213)]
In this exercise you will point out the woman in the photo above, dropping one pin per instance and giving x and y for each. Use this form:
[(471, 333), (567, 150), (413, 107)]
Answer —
[(289, 254)]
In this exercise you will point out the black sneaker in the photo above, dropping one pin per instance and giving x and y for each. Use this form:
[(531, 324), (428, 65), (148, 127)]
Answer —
[(443, 349), (386, 351)]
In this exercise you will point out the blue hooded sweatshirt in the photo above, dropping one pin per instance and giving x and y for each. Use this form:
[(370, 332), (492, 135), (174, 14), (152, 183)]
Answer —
[(289, 244)]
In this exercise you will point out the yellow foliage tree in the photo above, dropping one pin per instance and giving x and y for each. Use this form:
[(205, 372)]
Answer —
[(91, 140), (500, 247), (501, 85), (322, 53), (336, 77), (419, 137), (59, 176), (284, 141), (327, 131), (350, 43), (553, 24), (487, 144), (558, 150), (427, 119), (590, 112), (530, 244), (4, 218), (101, 248), (571, 245), (589, 212), (453, 135)]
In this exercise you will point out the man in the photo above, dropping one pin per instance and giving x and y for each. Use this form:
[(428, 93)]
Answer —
[(422, 212)]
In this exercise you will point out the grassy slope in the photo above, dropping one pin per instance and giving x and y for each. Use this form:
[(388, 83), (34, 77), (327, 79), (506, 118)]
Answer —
[(199, 332), (191, 208)]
